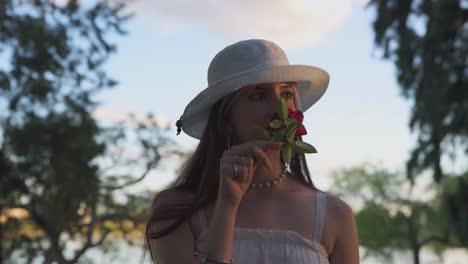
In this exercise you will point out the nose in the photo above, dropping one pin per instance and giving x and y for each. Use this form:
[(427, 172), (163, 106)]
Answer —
[(275, 94), (273, 101), (275, 98), (272, 105)]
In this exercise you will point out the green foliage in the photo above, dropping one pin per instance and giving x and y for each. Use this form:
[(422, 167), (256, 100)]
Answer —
[(375, 231), (428, 43), (389, 218), (58, 166), (454, 196), (303, 147), (276, 123), (369, 182), (283, 109)]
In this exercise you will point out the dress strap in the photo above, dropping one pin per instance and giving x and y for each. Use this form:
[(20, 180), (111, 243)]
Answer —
[(319, 216)]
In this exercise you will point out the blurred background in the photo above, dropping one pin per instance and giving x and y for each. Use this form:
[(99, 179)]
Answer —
[(90, 92)]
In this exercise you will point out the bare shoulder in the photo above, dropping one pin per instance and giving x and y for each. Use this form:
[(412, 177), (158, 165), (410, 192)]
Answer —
[(176, 246), (172, 197), (339, 213), (343, 230), (168, 198), (338, 208)]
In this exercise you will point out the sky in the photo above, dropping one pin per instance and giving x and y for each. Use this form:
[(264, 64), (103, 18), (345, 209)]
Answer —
[(162, 64)]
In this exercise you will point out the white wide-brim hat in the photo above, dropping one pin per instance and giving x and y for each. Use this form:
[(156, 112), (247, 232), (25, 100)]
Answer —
[(250, 62)]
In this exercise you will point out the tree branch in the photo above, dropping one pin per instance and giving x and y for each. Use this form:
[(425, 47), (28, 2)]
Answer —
[(149, 167)]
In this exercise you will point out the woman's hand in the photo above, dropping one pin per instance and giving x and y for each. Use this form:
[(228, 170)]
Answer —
[(232, 188)]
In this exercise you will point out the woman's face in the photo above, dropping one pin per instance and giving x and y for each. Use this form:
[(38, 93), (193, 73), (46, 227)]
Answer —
[(255, 105)]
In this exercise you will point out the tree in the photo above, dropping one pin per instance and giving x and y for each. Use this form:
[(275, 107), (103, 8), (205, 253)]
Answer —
[(390, 219), (428, 42), (62, 172), (454, 205)]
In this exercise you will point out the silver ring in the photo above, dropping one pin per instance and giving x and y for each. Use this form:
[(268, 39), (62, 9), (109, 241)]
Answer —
[(236, 158)]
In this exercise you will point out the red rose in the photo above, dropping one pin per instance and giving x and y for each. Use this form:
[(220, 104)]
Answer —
[(296, 115), (300, 130)]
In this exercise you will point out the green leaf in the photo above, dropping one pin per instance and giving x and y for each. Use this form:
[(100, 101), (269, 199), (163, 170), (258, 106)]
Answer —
[(276, 123), (291, 131), (278, 136), (283, 109), (262, 132), (286, 152), (291, 134), (290, 121), (290, 127), (303, 147)]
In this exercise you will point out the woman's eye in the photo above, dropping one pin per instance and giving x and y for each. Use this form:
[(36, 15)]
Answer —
[(259, 95), (288, 94)]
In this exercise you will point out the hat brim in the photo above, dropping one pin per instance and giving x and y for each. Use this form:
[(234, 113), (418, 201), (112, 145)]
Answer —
[(311, 84)]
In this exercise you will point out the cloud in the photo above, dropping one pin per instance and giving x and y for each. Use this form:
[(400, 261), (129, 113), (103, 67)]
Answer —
[(292, 24), (115, 116)]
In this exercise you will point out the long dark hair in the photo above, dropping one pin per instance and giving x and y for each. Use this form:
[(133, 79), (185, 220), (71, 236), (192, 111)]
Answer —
[(199, 177)]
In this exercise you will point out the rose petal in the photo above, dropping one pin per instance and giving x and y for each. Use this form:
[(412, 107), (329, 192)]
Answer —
[(301, 131), (297, 115)]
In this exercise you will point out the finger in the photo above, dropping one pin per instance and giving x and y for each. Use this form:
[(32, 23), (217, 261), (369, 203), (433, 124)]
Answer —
[(251, 166), (260, 155), (250, 163), (243, 160), (243, 173), (249, 149), (230, 171)]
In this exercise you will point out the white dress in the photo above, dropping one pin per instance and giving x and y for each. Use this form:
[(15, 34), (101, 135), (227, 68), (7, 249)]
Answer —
[(262, 246)]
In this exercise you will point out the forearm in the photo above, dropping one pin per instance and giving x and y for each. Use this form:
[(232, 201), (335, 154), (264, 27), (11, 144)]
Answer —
[(220, 234)]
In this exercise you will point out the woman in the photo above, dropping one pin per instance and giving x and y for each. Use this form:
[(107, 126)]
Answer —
[(215, 211)]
